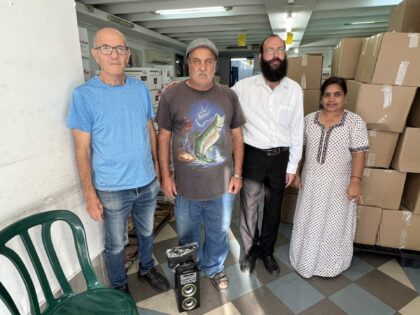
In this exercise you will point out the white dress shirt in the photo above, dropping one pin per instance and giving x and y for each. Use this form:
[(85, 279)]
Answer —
[(274, 118)]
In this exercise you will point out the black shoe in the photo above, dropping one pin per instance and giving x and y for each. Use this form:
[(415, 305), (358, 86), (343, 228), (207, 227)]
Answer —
[(270, 264), (123, 288), (155, 280), (248, 263)]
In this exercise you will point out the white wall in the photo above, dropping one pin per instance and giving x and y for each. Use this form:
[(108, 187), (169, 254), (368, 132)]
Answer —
[(40, 64)]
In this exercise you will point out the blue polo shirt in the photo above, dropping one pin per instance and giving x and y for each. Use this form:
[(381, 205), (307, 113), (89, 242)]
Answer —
[(116, 117)]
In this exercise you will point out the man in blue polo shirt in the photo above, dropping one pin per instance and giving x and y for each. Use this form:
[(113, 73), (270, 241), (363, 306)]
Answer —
[(115, 143)]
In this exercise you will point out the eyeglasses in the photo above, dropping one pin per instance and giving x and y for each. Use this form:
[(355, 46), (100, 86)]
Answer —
[(270, 51), (209, 62), (107, 50)]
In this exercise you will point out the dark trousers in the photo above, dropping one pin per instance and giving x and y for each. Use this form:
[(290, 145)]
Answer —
[(268, 171)]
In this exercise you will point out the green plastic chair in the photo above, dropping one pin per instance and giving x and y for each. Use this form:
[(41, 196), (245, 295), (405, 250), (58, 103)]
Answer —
[(97, 299)]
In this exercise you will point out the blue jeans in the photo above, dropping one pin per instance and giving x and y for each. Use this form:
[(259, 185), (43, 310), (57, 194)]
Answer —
[(215, 215), (118, 205)]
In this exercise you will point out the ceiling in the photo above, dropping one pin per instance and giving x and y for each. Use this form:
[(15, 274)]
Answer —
[(315, 24)]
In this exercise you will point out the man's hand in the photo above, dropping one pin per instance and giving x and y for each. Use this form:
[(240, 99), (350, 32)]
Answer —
[(168, 187), (94, 207), (297, 183), (235, 185), (289, 179)]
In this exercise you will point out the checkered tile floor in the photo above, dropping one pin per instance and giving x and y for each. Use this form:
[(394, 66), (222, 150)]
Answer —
[(374, 284)]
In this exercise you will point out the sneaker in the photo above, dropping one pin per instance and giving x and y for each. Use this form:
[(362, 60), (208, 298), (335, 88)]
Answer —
[(155, 280)]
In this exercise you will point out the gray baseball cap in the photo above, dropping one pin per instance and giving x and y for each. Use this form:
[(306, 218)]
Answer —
[(202, 42)]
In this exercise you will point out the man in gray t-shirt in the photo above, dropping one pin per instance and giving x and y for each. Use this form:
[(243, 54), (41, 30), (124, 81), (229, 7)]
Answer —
[(203, 119)]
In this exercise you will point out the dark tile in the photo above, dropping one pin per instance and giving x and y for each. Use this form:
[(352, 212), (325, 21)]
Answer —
[(260, 302), (236, 232), (324, 307), (159, 249), (141, 291), (173, 225), (387, 289), (264, 277), (281, 240), (328, 286), (210, 298), (374, 260)]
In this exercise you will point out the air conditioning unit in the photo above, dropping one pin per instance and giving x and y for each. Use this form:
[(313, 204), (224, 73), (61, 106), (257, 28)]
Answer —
[(158, 56)]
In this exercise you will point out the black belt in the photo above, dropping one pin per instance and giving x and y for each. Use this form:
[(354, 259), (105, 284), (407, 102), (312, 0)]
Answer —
[(269, 152)]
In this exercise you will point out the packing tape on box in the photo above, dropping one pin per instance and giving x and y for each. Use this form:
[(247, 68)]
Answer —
[(382, 120), (365, 44), (372, 133), (304, 60), (366, 172), (402, 71), (414, 40), (303, 81), (387, 89)]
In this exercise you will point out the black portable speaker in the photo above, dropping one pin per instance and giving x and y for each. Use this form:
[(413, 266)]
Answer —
[(187, 285)]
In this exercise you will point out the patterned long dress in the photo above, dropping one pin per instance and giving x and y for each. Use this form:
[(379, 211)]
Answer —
[(325, 220)]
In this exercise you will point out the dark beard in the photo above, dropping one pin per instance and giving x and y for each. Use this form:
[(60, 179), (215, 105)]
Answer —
[(273, 74)]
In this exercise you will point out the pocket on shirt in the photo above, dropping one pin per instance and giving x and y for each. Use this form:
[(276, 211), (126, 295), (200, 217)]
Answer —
[(284, 114)]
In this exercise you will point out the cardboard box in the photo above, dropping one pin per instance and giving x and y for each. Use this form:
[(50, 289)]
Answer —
[(367, 224), (399, 229), (390, 58), (382, 188), (413, 119), (288, 206), (305, 70), (311, 101), (345, 58), (381, 148), (405, 17), (407, 153), (382, 107), (411, 195)]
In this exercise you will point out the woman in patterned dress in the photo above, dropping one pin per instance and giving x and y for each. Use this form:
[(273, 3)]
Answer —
[(335, 141)]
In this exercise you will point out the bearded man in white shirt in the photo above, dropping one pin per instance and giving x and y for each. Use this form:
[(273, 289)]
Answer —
[(273, 136)]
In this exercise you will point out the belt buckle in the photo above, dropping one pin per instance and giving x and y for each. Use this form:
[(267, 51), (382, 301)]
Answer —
[(273, 152)]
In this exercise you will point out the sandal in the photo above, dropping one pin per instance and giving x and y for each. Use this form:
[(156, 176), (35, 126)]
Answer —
[(220, 281)]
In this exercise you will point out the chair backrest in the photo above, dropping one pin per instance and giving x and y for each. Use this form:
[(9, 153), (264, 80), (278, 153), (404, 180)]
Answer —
[(45, 220)]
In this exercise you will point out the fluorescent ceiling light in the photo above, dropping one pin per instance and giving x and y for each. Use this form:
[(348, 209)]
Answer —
[(191, 10), (366, 22)]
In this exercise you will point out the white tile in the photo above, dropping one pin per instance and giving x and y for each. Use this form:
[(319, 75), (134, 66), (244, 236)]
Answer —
[(411, 308), (225, 309), (393, 269)]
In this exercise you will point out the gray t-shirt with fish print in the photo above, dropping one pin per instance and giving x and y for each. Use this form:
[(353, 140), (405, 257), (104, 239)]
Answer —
[(201, 123)]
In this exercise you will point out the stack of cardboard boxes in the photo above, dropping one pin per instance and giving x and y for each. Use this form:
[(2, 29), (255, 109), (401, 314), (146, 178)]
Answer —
[(306, 70), (383, 76), (386, 77)]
